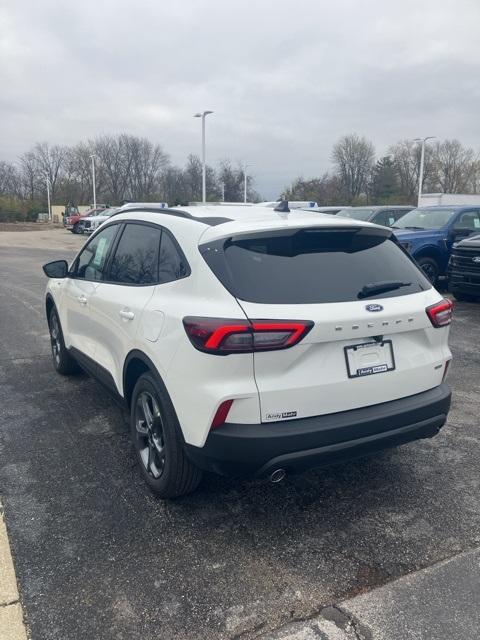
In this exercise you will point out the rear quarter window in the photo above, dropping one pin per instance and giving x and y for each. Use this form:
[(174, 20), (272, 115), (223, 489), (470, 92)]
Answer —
[(311, 265)]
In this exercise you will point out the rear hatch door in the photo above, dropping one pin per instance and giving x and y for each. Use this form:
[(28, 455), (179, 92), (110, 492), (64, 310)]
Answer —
[(363, 348)]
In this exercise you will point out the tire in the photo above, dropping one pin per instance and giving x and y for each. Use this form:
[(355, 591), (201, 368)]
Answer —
[(462, 297), (76, 228), (430, 268), (158, 441), (63, 362)]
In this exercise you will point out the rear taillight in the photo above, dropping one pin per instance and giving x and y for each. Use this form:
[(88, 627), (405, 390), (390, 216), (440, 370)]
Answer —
[(440, 313), (221, 336)]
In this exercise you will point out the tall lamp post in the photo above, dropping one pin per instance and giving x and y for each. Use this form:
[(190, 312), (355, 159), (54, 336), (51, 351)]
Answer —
[(245, 181), (47, 180), (422, 163), (204, 167), (93, 181)]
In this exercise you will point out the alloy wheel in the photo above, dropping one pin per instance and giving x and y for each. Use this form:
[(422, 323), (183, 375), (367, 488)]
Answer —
[(149, 434)]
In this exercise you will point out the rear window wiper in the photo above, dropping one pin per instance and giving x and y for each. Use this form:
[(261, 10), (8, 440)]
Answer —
[(381, 287), (412, 228)]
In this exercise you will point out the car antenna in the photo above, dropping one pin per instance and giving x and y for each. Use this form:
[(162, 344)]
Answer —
[(282, 207)]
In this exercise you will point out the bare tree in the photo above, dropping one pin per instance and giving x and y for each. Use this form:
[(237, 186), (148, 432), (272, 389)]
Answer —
[(29, 175), (453, 166), (50, 162), (325, 190), (9, 180), (146, 162), (353, 158)]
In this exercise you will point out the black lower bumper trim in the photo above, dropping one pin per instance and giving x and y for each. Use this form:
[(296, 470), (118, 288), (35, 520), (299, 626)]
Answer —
[(296, 445)]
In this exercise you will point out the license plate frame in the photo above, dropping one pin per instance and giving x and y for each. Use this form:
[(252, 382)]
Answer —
[(384, 367)]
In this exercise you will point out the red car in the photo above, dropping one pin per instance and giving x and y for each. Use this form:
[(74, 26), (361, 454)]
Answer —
[(71, 222)]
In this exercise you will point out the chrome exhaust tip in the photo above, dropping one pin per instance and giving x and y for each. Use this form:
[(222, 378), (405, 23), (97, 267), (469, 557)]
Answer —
[(277, 476)]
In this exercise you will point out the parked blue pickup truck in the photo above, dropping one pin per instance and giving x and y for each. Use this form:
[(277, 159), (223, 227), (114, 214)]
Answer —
[(428, 234)]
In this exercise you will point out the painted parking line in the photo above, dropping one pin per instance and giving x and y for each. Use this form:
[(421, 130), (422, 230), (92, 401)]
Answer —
[(11, 616)]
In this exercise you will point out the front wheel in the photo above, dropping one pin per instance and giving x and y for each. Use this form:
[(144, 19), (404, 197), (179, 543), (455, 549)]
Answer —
[(430, 268), (76, 228), (158, 443)]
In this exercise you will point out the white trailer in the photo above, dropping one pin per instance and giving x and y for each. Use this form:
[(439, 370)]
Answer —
[(431, 199)]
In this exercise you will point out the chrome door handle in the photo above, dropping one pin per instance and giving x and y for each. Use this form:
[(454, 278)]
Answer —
[(82, 299), (127, 315)]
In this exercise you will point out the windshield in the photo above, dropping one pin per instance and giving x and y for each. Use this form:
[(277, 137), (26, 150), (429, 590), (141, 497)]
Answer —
[(310, 266), (425, 219), (356, 214)]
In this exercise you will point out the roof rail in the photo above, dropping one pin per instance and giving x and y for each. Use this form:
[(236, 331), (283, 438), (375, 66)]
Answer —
[(211, 221)]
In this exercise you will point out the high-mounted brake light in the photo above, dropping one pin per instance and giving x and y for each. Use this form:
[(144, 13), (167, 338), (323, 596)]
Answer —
[(222, 336), (440, 313)]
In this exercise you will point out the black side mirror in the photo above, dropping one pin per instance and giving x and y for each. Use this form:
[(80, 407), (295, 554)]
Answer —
[(56, 269)]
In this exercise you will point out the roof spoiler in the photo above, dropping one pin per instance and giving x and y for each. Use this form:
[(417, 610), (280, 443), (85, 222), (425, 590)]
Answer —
[(282, 207)]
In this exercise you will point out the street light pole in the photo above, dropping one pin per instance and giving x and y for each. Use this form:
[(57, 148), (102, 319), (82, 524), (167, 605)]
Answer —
[(245, 177), (204, 166), (422, 163), (93, 180), (48, 199)]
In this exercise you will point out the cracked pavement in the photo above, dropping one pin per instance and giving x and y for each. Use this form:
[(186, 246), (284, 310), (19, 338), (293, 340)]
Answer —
[(97, 556)]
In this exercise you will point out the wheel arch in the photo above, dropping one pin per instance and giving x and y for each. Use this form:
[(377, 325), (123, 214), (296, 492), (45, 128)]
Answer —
[(136, 364), (431, 251), (49, 304)]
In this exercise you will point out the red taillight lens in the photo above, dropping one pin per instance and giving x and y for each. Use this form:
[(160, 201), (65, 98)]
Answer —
[(221, 414), (440, 314), (221, 336)]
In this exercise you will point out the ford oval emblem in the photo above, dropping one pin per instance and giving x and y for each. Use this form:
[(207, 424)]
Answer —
[(476, 259), (374, 307)]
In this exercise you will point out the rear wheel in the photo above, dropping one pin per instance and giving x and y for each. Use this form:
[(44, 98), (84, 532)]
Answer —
[(158, 443), (430, 268), (62, 361)]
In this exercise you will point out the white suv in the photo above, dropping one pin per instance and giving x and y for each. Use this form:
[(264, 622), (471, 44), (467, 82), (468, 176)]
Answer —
[(252, 341)]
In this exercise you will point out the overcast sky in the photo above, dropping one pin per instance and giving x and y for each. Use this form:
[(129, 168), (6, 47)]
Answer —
[(284, 78)]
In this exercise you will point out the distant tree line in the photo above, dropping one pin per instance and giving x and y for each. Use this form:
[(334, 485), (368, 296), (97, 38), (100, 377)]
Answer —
[(133, 168), (358, 177), (127, 167)]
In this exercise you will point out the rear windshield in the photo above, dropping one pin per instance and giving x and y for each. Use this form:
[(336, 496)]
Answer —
[(312, 266)]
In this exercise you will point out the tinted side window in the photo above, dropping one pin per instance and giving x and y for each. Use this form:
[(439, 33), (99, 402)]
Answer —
[(91, 262), (171, 264), (135, 259), (468, 220), (384, 218)]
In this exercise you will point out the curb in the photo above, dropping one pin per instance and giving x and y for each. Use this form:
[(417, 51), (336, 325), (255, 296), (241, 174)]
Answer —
[(12, 626)]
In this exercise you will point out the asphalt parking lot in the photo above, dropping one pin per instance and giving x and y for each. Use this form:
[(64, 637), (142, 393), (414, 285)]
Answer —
[(97, 556)]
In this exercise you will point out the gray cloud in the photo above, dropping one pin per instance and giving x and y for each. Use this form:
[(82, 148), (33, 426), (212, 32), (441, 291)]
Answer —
[(284, 78)]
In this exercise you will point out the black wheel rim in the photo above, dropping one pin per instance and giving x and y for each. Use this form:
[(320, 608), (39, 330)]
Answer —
[(55, 340), (430, 271), (149, 434)]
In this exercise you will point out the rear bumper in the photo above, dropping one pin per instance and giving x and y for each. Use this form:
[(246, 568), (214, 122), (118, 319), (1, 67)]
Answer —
[(296, 445)]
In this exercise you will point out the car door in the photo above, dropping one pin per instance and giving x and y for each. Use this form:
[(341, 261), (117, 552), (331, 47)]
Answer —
[(84, 279), (118, 301)]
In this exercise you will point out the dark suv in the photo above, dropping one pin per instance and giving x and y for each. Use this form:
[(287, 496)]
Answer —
[(464, 269), (387, 216), (428, 234)]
